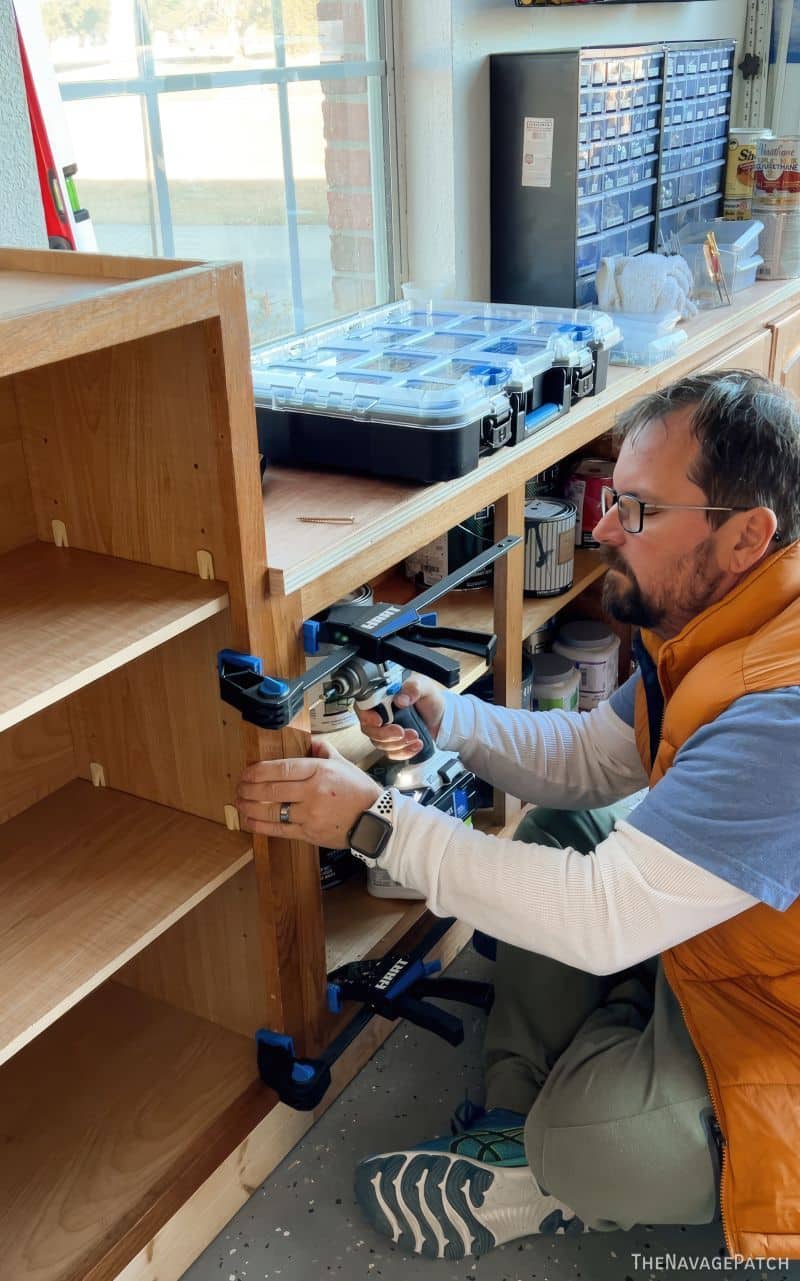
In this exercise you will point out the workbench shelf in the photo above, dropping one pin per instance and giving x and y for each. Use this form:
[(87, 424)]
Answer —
[(143, 938)]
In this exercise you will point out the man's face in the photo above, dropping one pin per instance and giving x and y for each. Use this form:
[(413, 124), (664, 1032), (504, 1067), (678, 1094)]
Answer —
[(671, 571)]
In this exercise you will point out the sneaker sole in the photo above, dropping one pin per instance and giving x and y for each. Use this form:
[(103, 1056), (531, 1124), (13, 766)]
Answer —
[(446, 1207)]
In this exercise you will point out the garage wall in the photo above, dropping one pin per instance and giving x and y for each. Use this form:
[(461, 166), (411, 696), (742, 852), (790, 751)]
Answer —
[(441, 51), (21, 215)]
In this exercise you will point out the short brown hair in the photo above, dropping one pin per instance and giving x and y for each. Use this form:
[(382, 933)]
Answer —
[(748, 430)]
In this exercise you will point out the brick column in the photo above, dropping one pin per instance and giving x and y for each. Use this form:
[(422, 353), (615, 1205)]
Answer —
[(347, 162)]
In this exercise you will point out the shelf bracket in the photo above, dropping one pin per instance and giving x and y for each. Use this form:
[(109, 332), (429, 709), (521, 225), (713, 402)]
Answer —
[(205, 564), (59, 533)]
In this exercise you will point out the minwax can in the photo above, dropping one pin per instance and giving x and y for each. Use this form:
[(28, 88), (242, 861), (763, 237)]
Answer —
[(776, 174), (739, 171)]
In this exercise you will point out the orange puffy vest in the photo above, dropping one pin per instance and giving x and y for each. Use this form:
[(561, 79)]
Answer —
[(738, 984)]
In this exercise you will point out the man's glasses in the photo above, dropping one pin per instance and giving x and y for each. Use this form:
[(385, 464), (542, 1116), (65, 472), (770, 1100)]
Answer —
[(632, 510)]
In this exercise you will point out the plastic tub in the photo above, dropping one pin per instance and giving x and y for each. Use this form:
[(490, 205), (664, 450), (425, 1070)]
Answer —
[(739, 239), (556, 683), (594, 649), (647, 337)]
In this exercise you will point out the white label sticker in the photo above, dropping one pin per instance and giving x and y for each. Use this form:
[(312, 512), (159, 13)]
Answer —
[(537, 151)]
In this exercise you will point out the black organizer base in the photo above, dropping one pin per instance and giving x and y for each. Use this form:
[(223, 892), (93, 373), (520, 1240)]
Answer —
[(396, 451)]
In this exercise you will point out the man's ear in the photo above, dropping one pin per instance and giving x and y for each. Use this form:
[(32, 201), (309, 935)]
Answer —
[(751, 538)]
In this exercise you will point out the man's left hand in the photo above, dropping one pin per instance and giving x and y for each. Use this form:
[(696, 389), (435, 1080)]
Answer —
[(322, 795)]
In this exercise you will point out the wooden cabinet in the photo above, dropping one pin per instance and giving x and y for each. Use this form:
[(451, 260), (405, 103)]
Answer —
[(143, 937), (786, 351), (754, 353)]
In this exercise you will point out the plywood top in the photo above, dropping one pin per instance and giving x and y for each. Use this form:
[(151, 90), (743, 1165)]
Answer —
[(55, 304), (88, 877), (67, 617), (391, 519), (22, 291)]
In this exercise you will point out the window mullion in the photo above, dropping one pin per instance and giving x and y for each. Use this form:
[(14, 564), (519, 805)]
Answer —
[(290, 192)]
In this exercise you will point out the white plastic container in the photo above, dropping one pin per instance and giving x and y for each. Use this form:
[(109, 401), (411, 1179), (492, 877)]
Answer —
[(556, 683), (594, 649)]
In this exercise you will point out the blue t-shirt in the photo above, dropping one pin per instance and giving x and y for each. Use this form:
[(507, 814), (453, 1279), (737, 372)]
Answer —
[(731, 800)]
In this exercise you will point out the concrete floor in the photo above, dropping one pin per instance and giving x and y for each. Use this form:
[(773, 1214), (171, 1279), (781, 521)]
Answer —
[(303, 1223)]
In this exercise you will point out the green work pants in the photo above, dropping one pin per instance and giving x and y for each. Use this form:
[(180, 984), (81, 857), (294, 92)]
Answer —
[(619, 1121)]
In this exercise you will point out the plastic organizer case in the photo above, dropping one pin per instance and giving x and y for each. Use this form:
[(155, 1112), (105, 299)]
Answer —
[(420, 391), (738, 248)]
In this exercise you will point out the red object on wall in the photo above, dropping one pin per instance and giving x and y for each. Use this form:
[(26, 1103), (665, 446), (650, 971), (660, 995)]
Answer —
[(59, 229)]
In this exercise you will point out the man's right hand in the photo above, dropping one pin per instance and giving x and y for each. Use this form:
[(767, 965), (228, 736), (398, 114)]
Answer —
[(402, 744)]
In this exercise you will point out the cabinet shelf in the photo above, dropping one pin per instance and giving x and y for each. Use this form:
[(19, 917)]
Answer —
[(89, 877), (68, 617), (113, 1118), (357, 924)]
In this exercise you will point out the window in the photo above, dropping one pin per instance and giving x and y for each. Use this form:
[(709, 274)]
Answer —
[(246, 129)]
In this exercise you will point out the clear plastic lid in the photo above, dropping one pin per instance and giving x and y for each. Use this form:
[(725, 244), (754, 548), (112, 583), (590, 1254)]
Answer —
[(585, 634), (442, 361), (551, 669)]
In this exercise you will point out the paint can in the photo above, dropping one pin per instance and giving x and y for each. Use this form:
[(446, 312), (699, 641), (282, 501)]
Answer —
[(450, 551), (484, 687), (740, 166), (549, 546), (328, 715), (584, 488), (776, 174), (737, 210), (594, 649), (541, 638)]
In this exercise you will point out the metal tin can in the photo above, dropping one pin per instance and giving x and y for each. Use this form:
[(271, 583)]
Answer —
[(776, 175), (437, 559), (737, 210), (741, 162), (549, 546), (583, 489)]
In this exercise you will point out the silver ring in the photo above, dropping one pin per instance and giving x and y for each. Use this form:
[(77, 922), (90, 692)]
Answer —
[(284, 815)]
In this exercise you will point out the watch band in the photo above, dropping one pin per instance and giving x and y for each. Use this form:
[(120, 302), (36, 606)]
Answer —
[(383, 809)]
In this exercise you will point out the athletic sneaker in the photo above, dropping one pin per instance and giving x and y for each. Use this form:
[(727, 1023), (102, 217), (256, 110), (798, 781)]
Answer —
[(461, 1195)]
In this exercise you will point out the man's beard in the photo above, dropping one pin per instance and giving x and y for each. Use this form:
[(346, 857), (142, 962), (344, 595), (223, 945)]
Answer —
[(623, 598), (688, 590)]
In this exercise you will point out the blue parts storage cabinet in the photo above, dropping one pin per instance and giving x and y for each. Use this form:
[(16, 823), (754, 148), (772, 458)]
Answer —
[(597, 152)]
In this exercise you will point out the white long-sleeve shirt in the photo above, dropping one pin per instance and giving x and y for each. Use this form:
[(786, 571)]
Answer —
[(630, 898)]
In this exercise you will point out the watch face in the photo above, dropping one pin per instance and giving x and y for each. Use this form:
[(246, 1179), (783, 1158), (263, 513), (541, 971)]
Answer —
[(370, 834)]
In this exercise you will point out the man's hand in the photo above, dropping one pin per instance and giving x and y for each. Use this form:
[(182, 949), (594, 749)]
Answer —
[(395, 742), (324, 792)]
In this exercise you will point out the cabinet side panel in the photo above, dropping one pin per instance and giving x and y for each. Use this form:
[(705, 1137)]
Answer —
[(121, 447), (17, 519), (210, 962), (36, 758), (159, 728)]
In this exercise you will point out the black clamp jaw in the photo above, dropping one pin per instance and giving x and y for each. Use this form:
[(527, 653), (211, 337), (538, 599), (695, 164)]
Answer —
[(380, 633), (395, 987)]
